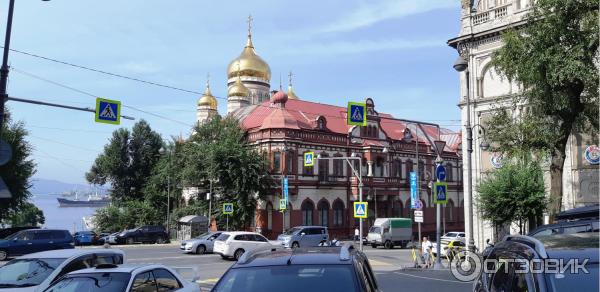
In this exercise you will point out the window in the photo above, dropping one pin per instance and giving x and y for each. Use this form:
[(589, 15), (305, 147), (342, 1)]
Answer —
[(323, 168), (165, 280), (397, 208), (289, 162), (449, 172), (409, 169), (259, 238), (244, 237), (422, 170), (144, 283), (338, 214), (269, 216), (307, 213), (79, 263), (277, 162), (323, 213), (338, 166), (449, 211), (577, 229), (396, 169), (42, 235)]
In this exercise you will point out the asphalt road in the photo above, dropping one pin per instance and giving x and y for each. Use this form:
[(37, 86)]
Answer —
[(390, 267)]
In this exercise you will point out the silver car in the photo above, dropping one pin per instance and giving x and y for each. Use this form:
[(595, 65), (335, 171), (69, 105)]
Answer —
[(201, 244)]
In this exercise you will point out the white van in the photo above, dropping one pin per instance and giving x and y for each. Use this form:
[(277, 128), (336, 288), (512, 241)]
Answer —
[(390, 232)]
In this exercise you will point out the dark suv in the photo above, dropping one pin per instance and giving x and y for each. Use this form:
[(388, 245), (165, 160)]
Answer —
[(578, 220), (548, 263), (144, 234), (300, 270), (34, 240)]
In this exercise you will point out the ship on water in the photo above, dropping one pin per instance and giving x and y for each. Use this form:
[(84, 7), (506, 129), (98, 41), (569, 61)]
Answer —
[(92, 201)]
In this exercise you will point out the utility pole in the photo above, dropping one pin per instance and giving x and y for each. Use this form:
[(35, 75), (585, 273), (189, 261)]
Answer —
[(4, 68), (210, 203)]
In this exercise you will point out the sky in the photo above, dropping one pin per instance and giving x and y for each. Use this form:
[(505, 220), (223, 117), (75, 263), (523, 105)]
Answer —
[(393, 51)]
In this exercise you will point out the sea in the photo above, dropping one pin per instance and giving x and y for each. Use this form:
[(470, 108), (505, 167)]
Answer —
[(70, 218)]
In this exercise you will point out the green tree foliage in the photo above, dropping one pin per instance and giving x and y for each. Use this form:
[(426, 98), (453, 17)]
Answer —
[(18, 171), (553, 58), (513, 193), (27, 215), (127, 162), (127, 215)]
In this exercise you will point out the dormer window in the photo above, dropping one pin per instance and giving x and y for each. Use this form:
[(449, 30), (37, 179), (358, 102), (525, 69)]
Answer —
[(321, 123)]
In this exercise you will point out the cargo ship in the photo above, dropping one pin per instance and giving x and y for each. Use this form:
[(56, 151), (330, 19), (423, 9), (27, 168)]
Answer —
[(92, 201)]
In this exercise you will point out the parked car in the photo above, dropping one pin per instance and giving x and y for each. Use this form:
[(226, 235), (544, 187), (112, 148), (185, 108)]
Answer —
[(234, 244), (201, 244), (304, 236), (451, 236), (37, 271), (6, 232), (582, 247), (85, 238), (34, 240), (102, 238), (389, 232), (104, 278), (300, 270), (577, 220), (112, 238), (143, 234)]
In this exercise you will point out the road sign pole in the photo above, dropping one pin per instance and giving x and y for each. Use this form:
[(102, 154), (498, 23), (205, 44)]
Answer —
[(227, 222)]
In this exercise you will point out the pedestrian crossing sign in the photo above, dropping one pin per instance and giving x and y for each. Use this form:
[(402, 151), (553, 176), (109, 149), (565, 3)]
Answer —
[(108, 111), (282, 204), (227, 208), (309, 158), (440, 195), (357, 114), (360, 209)]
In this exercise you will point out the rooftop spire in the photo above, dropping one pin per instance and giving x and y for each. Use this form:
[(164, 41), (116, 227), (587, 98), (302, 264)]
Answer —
[(290, 78), (249, 42)]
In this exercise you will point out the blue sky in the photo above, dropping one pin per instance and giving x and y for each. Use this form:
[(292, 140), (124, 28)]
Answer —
[(393, 51)]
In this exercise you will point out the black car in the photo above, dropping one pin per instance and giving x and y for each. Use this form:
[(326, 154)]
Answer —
[(144, 234), (577, 220), (524, 263), (300, 270)]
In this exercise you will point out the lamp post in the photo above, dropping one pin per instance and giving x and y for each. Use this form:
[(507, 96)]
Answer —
[(162, 151), (439, 149), (358, 175), (4, 69)]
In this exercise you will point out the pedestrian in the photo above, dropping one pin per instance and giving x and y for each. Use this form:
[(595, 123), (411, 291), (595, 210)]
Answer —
[(426, 247), (356, 234)]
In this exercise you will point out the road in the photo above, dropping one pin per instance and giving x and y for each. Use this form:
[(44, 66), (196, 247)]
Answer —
[(389, 267)]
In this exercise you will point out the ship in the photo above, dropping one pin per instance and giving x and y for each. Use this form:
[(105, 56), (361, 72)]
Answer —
[(92, 201)]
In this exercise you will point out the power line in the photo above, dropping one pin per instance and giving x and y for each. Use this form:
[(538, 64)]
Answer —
[(65, 144), (70, 130)]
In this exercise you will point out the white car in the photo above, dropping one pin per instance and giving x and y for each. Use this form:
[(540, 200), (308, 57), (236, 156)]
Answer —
[(37, 271), (234, 244), (201, 244), (451, 236), (139, 278)]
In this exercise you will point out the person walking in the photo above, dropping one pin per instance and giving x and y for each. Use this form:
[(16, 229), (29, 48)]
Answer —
[(426, 251), (356, 234)]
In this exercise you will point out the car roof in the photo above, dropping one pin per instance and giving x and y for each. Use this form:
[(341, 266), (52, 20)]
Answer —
[(564, 224), (67, 253), (118, 269), (240, 232), (299, 256), (310, 226)]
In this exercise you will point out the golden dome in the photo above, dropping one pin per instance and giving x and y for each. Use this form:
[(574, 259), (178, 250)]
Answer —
[(207, 98), (250, 64), (291, 94), (238, 89)]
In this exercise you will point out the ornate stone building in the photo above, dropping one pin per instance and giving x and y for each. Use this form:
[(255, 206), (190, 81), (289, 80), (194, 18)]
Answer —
[(482, 23), (284, 127)]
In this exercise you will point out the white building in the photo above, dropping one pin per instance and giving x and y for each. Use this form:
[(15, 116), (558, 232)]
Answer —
[(480, 35)]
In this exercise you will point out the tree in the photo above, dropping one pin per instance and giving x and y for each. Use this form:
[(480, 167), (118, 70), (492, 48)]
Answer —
[(513, 193), (553, 57), (126, 215), (27, 215), (17, 173), (127, 161)]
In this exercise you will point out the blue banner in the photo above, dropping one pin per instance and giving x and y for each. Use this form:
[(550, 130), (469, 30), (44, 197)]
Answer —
[(285, 189), (413, 190)]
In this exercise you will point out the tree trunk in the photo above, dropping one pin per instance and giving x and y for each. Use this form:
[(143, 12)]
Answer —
[(556, 179)]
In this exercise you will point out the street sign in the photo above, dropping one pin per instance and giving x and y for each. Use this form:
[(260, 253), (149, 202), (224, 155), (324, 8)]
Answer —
[(440, 195), (418, 205), (285, 188), (108, 111), (360, 209), (419, 219), (440, 172), (309, 158), (227, 208), (357, 114), (282, 204), (413, 190), (418, 213)]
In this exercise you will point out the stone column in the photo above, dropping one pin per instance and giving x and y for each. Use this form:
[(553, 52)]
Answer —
[(370, 168)]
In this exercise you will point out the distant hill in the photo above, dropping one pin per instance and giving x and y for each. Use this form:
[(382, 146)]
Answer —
[(47, 186)]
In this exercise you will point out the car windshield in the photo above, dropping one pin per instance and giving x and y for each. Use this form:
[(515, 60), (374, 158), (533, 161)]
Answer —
[(292, 278), (293, 231), (204, 235), (451, 234), (27, 272), (92, 282), (375, 229)]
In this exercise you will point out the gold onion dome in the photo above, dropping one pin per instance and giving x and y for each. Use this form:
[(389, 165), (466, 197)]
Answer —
[(238, 89), (291, 94), (207, 98), (250, 64)]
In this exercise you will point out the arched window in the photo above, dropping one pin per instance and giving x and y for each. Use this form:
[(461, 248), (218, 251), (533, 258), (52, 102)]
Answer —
[(397, 169), (289, 162), (338, 213), (338, 166), (379, 167), (269, 216), (307, 213), (276, 162), (450, 211), (323, 209)]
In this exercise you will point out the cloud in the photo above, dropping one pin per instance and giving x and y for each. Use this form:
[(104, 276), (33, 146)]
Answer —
[(355, 47), (377, 11)]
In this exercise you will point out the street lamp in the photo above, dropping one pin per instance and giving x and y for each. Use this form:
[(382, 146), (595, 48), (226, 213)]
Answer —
[(462, 65), (439, 146), (162, 151), (4, 69)]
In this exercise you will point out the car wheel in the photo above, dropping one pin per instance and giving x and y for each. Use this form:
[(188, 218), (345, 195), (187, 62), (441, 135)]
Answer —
[(3, 255), (295, 245), (130, 240), (389, 245), (160, 240), (238, 254), (201, 249), (374, 245)]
